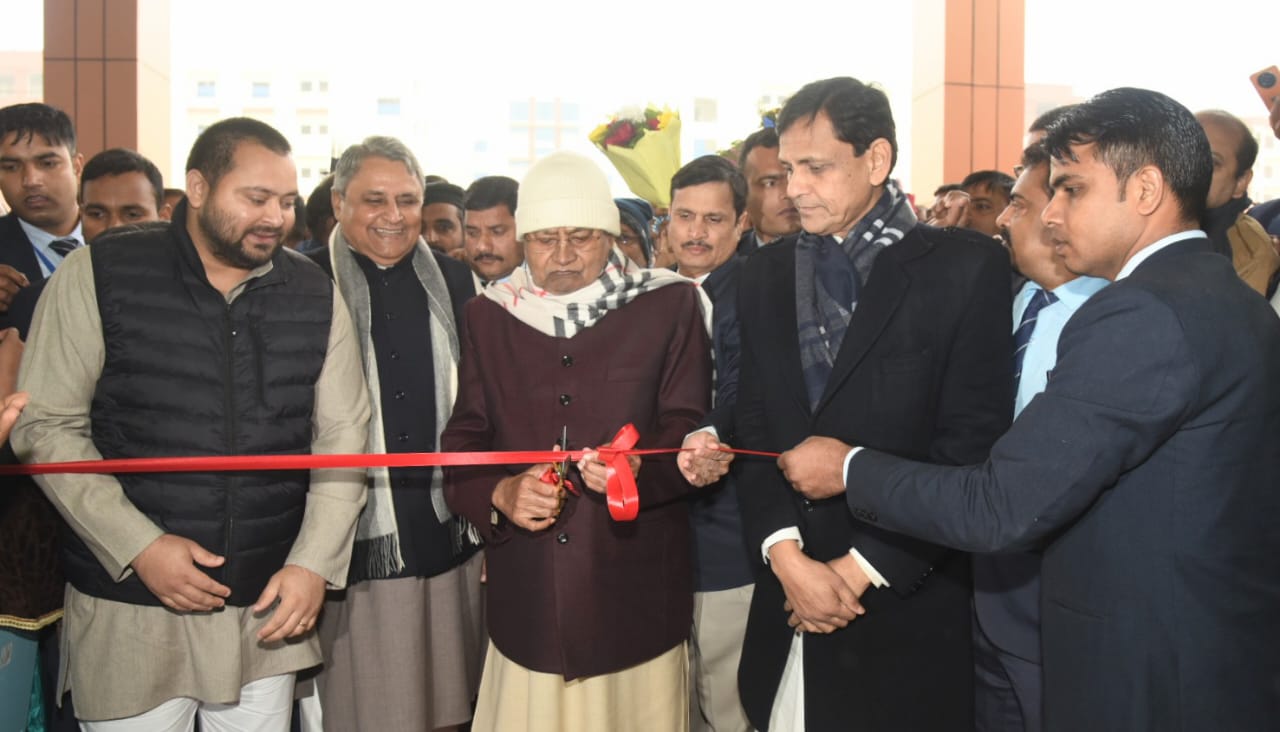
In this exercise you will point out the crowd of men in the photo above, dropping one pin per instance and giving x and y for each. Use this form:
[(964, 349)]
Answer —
[(1029, 439)]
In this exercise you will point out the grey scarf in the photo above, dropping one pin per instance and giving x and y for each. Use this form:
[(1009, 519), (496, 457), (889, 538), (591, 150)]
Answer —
[(377, 545), (821, 318)]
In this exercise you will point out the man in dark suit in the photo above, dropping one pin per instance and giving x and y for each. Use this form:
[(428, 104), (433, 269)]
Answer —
[(39, 173), (1147, 466), (866, 324), (708, 212)]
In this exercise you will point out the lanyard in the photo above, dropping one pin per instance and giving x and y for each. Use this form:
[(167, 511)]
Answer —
[(46, 263)]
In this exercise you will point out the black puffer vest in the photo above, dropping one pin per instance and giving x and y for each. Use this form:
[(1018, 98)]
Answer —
[(187, 374)]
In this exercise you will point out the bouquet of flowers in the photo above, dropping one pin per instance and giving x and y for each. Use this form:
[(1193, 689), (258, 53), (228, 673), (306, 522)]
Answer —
[(644, 146)]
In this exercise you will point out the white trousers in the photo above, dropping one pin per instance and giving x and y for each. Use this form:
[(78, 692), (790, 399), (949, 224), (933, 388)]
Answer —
[(264, 706)]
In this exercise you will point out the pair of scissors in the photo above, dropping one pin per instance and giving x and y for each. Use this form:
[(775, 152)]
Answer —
[(558, 473)]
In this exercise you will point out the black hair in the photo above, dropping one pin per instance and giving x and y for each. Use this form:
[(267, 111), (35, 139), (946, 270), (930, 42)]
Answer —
[(859, 112), (118, 161), (320, 206), (1047, 118), (492, 190), (766, 137), (1247, 150), (26, 121), (444, 192), (712, 169), (430, 178), (1131, 128), (946, 188), (300, 230), (1035, 155), (215, 148), (993, 180)]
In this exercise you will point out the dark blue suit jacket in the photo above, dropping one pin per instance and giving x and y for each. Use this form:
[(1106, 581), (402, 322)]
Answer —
[(17, 252), (720, 559), (1148, 466)]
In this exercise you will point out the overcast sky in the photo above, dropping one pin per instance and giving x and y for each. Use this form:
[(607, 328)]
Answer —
[(1201, 56)]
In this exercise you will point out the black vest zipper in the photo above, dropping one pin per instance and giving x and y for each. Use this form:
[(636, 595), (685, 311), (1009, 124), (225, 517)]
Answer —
[(229, 396)]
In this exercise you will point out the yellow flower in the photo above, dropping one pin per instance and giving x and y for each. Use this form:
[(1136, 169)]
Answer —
[(597, 135), (664, 119)]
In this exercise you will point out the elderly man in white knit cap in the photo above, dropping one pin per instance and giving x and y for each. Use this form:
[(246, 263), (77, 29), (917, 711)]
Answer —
[(588, 617)]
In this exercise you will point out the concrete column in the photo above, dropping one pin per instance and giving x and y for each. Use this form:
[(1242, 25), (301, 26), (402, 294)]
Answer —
[(106, 64), (967, 90)]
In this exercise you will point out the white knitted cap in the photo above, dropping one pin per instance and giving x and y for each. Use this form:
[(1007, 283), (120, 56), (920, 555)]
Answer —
[(565, 189)]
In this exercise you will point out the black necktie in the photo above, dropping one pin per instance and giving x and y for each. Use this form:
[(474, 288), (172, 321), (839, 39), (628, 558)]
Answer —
[(1022, 336), (63, 247), (836, 272)]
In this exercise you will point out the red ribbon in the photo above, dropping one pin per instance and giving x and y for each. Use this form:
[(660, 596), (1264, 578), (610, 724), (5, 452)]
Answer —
[(621, 493)]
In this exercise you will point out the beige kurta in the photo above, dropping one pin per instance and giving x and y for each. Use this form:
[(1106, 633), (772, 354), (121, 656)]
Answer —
[(124, 659)]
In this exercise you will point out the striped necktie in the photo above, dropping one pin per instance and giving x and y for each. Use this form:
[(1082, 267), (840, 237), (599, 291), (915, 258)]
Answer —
[(63, 247), (1022, 336)]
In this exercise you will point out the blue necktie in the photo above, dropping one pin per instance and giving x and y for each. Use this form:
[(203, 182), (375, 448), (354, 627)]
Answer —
[(63, 247), (836, 272), (1022, 336)]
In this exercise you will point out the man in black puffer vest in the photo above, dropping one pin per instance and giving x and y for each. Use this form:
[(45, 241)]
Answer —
[(197, 592)]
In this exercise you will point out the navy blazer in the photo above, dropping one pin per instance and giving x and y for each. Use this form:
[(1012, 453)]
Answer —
[(1148, 466), (17, 252), (925, 371), (16, 249), (720, 560)]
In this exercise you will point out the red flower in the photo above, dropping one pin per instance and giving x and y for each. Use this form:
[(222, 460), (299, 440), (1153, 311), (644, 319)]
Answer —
[(621, 134), (652, 123)]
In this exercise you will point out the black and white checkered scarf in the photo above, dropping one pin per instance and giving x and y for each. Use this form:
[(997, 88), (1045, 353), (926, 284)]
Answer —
[(564, 316), (821, 320)]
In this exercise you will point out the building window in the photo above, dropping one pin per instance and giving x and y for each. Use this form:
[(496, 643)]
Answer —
[(703, 147), (324, 129), (704, 110), (305, 86), (324, 86), (520, 111), (37, 85), (261, 90), (306, 129), (306, 172), (6, 83), (546, 112), (388, 107), (569, 112), (205, 89)]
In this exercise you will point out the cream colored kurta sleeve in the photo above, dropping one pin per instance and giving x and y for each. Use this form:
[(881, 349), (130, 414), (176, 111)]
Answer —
[(60, 369), (339, 424)]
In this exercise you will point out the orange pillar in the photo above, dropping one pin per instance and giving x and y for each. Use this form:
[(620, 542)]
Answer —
[(106, 64), (968, 90)]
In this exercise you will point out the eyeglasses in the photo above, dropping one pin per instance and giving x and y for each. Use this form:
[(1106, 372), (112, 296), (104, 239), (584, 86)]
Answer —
[(577, 238)]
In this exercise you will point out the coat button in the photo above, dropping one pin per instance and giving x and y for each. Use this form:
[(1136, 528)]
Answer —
[(566, 361), (395, 355), (562, 538), (403, 437), (565, 399), (399, 395)]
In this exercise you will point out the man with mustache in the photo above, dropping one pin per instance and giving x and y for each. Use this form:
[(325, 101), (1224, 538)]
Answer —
[(197, 593), (39, 173), (490, 229), (708, 213), (1006, 587)]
